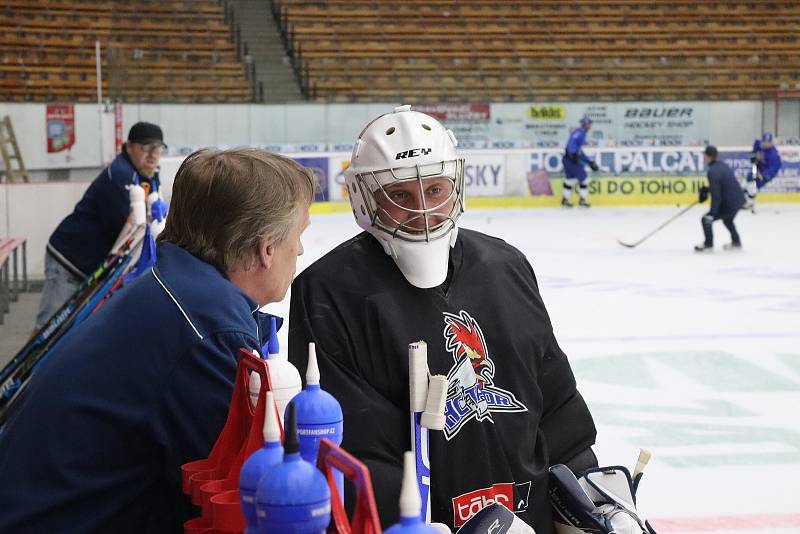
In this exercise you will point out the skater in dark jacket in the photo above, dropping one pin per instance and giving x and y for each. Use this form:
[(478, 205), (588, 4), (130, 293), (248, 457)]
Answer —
[(727, 198)]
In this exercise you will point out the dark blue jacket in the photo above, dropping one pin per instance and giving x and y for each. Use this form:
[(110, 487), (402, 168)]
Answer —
[(85, 237), (726, 193), (770, 161), (96, 442)]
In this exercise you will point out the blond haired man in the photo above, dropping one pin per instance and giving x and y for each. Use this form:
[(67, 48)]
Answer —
[(96, 442)]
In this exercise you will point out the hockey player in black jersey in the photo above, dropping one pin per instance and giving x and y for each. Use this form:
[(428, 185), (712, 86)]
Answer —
[(512, 408)]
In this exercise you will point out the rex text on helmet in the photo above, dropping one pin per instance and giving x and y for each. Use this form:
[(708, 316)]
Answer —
[(406, 185), (406, 170)]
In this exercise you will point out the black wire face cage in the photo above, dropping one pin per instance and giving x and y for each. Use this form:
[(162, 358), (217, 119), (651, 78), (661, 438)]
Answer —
[(437, 223)]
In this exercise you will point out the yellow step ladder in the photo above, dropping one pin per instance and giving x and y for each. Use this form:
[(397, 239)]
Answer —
[(9, 149)]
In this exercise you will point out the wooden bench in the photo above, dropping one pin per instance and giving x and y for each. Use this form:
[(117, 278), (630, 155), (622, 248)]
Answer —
[(9, 272)]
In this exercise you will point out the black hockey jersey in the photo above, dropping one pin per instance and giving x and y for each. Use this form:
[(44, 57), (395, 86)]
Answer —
[(513, 408)]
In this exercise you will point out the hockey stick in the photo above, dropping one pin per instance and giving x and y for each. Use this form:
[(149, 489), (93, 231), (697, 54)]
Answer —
[(418, 393), (15, 374), (54, 324), (427, 397), (662, 225), (93, 303)]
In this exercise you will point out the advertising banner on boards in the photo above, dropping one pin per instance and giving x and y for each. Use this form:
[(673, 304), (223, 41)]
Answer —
[(653, 174), (319, 166), (469, 122), (485, 175), (60, 132)]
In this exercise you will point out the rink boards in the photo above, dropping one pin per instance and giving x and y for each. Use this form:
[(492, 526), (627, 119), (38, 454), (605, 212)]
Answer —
[(513, 177)]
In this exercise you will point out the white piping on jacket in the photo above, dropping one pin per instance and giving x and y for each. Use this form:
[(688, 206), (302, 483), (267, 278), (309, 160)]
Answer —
[(152, 270)]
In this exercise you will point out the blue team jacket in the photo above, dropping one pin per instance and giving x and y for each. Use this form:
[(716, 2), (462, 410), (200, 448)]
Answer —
[(771, 163), (96, 442), (573, 169), (85, 237)]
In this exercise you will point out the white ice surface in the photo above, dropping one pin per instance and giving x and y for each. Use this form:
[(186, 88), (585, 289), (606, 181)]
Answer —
[(694, 356)]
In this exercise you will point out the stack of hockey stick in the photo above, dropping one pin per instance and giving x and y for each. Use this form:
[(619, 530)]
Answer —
[(88, 298)]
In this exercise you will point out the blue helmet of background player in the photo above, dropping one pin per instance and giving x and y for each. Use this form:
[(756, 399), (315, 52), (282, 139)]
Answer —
[(766, 140), (586, 122)]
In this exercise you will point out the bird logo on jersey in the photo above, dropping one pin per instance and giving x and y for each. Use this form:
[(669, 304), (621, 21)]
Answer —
[(471, 393)]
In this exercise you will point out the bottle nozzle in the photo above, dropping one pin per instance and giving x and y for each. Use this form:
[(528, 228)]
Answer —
[(272, 431), (273, 347), (290, 443), (410, 500), (312, 371)]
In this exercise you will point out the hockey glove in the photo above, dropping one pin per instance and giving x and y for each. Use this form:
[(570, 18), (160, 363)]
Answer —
[(602, 501), (158, 210), (495, 519), (753, 159), (703, 194), (594, 166)]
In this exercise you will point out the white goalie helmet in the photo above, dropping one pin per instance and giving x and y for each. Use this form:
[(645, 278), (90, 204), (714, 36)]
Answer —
[(406, 186)]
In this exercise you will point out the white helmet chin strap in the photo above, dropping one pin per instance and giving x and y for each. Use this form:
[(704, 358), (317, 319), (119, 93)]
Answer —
[(423, 264)]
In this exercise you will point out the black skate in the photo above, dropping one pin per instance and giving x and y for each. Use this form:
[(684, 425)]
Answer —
[(702, 247), (584, 204), (565, 203), (732, 246)]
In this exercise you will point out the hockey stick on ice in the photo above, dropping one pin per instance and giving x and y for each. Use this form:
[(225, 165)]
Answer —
[(662, 225)]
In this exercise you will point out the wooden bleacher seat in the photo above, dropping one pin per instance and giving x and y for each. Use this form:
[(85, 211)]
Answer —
[(415, 50), (183, 49)]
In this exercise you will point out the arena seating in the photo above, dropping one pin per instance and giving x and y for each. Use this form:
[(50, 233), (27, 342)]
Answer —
[(549, 49), (152, 51)]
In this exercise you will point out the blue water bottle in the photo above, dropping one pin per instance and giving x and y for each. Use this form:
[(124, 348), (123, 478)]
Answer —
[(410, 502), (259, 463), (293, 496), (319, 416)]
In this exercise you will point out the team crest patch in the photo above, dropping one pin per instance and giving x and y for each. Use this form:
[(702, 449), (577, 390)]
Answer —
[(471, 393)]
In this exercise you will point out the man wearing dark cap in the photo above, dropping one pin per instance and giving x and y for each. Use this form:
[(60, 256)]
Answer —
[(727, 198), (85, 237)]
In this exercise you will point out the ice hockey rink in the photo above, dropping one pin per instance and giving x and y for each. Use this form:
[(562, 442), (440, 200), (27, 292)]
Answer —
[(694, 356)]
